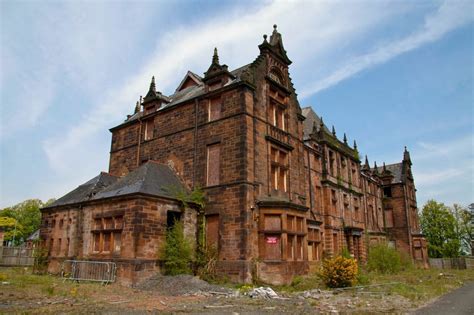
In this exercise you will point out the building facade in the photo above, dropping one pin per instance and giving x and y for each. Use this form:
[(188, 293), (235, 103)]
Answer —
[(282, 190)]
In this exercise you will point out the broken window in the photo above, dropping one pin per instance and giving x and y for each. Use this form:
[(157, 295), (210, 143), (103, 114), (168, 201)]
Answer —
[(314, 242), (387, 192)]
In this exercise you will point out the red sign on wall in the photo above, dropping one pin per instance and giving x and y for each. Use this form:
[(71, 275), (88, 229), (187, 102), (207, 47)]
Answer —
[(272, 239)]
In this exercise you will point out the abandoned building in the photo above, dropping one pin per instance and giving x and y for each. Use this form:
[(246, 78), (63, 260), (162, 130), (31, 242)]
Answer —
[(282, 190)]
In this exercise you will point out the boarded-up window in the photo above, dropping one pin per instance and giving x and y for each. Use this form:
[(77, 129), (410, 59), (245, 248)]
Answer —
[(118, 222), (109, 223), (98, 224), (290, 247), (388, 218), (214, 109), (117, 242), (66, 250), (96, 242), (58, 250), (276, 115), (213, 165), (106, 242), (272, 247), (418, 254), (272, 222), (290, 223), (299, 247), (212, 230)]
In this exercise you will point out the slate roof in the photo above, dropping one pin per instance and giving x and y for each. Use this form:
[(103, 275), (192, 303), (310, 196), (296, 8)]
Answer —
[(396, 169), (190, 92), (151, 178), (85, 191), (311, 118)]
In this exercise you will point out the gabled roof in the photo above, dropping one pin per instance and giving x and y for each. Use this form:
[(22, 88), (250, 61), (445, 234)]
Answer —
[(395, 169), (189, 76), (188, 93), (85, 191), (151, 178), (311, 119)]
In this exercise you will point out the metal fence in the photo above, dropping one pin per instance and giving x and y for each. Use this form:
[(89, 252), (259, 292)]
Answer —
[(84, 270), (16, 256), (452, 263)]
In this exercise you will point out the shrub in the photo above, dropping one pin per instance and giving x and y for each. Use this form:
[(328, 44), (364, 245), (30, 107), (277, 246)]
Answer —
[(339, 272), (177, 252), (384, 259)]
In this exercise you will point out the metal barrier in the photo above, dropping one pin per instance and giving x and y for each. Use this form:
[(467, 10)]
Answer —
[(16, 256), (84, 270)]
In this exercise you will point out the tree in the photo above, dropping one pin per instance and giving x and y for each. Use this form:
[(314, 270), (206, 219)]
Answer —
[(27, 218), (464, 227), (440, 228)]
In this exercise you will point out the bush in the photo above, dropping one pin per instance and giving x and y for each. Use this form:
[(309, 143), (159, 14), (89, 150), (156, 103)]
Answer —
[(339, 272), (177, 252), (384, 259)]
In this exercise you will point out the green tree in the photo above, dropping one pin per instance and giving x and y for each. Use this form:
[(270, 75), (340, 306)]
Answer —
[(27, 216), (440, 228), (464, 227)]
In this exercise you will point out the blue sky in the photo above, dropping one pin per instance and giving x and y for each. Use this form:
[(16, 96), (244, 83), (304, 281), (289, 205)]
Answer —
[(389, 74)]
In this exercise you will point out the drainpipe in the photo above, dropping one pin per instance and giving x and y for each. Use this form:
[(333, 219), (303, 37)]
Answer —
[(195, 140), (139, 141)]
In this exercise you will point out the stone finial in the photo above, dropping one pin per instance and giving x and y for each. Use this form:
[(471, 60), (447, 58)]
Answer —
[(333, 131), (215, 57), (265, 38), (315, 127), (152, 85), (355, 145), (321, 123), (406, 156), (137, 107), (345, 138), (384, 168), (376, 171)]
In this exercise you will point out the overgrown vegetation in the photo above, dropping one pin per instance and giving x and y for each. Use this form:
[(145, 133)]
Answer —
[(383, 259), (177, 252), (339, 272)]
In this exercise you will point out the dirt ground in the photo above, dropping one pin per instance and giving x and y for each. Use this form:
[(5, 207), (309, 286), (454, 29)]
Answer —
[(22, 292)]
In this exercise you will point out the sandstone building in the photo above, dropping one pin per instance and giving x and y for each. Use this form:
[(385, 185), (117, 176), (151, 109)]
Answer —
[(282, 190)]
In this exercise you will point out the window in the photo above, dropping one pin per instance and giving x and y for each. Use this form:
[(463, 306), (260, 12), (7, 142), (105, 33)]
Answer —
[(331, 163), (279, 169), (335, 243), (107, 235), (212, 231), (66, 250), (276, 115), (61, 223), (272, 237), (213, 165), (294, 226), (276, 76), (387, 192), (314, 242), (214, 109), (58, 250), (389, 218), (149, 129)]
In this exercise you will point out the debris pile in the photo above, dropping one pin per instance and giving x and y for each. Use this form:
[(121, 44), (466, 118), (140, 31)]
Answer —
[(263, 293)]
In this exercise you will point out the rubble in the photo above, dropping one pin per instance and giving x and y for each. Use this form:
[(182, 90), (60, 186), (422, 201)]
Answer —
[(263, 293)]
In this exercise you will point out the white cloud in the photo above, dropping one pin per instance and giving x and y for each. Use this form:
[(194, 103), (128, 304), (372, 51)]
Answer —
[(310, 30), (449, 16)]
